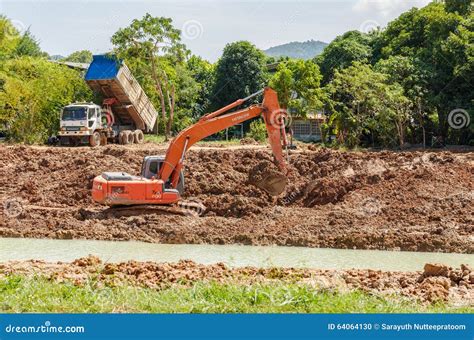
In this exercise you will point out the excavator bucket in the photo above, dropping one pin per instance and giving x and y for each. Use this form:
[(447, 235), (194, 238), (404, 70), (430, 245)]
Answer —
[(266, 176), (273, 183)]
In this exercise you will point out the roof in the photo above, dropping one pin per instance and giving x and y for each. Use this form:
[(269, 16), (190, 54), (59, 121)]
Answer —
[(81, 66), (103, 67)]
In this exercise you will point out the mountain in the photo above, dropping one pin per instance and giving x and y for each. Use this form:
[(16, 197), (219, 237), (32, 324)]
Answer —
[(296, 49), (56, 57)]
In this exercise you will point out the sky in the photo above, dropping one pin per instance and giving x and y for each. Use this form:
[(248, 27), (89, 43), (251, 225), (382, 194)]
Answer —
[(63, 27)]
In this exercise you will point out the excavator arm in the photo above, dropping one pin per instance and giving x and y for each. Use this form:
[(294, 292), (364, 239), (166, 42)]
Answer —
[(220, 120)]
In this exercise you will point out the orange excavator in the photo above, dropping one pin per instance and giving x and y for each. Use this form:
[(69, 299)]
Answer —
[(162, 180)]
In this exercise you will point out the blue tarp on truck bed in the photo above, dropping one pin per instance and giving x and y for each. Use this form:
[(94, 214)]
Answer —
[(103, 67)]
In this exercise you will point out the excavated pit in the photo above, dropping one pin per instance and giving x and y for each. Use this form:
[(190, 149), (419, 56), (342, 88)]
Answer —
[(417, 201)]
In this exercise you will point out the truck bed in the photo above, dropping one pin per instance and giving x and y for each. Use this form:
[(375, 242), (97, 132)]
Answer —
[(113, 79)]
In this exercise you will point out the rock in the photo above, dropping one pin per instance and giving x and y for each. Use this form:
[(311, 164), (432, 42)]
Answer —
[(465, 267), (471, 278), (435, 269)]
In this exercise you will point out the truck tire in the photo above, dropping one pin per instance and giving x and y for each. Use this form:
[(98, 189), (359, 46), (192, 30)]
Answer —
[(138, 137), (103, 139), (130, 137), (120, 137), (63, 141), (94, 139), (123, 137)]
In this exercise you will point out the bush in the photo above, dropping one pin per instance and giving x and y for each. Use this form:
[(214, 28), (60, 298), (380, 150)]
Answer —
[(258, 130)]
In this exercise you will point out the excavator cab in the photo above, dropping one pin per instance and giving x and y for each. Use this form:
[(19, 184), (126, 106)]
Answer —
[(151, 167)]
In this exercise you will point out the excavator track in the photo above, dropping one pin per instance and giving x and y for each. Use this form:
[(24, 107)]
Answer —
[(184, 208)]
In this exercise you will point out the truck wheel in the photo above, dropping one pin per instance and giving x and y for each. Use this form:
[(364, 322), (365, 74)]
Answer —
[(103, 139), (63, 141), (120, 137), (94, 139), (123, 138), (74, 141), (138, 137), (130, 137)]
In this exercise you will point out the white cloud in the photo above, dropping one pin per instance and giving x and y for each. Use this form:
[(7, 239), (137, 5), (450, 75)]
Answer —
[(387, 7)]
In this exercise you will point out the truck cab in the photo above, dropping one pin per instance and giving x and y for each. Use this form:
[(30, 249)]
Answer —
[(78, 123)]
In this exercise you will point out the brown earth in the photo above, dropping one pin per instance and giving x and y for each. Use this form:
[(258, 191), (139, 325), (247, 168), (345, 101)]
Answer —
[(414, 200), (437, 282)]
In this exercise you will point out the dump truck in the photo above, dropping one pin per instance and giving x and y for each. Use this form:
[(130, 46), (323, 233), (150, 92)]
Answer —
[(126, 112)]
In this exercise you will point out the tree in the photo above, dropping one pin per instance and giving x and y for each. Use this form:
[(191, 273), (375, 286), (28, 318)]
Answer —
[(156, 45), (342, 51), (462, 7), (298, 85), (239, 72), (203, 72), (32, 93), (9, 38), (28, 46), (83, 56), (364, 105), (440, 41), (412, 77)]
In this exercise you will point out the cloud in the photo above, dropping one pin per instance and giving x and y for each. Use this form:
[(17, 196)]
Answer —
[(387, 7)]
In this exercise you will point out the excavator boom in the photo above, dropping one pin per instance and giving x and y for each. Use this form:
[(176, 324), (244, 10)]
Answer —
[(218, 121), (124, 189)]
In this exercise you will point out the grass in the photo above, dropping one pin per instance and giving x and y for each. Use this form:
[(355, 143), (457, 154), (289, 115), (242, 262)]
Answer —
[(26, 294), (159, 139)]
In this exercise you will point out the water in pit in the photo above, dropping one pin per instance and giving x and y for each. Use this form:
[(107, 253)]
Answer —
[(232, 255)]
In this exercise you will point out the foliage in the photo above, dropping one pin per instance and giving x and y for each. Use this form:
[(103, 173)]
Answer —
[(365, 107), (203, 72), (32, 93), (152, 46), (29, 46), (258, 130), (297, 83), (239, 72), (83, 56), (342, 51), (439, 42)]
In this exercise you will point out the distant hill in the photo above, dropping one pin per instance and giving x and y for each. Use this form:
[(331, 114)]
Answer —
[(56, 57), (296, 49)]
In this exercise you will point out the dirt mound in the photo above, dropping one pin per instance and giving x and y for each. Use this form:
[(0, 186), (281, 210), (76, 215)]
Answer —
[(154, 275), (370, 200)]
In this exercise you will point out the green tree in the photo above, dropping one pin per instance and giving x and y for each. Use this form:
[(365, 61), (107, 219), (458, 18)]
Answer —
[(363, 104), (83, 56), (32, 93), (298, 85), (29, 46), (342, 51), (9, 38), (155, 45), (203, 72), (441, 43), (239, 72)]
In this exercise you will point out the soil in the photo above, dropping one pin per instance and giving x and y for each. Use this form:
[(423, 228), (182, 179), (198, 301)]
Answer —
[(437, 282), (413, 200)]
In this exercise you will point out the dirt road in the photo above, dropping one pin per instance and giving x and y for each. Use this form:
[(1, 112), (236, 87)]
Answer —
[(435, 282), (420, 201)]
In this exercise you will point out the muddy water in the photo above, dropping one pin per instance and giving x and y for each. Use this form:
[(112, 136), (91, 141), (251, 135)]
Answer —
[(232, 255)]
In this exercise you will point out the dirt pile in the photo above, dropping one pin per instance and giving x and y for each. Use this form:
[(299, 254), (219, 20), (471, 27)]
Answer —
[(454, 285), (416, 201)]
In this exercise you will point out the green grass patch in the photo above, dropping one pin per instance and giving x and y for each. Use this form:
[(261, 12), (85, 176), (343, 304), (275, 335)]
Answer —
[(159, 139), (24, 294)]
